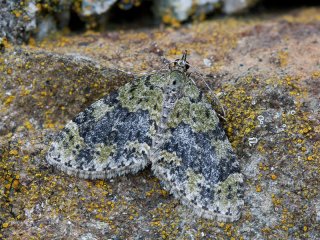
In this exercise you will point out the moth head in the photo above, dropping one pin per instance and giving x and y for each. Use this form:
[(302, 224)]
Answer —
[(181, 63)]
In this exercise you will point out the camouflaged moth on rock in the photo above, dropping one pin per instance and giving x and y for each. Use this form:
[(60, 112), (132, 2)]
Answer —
[(163, 120)]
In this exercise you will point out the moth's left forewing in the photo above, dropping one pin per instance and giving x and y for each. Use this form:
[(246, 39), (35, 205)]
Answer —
[(111, 137)]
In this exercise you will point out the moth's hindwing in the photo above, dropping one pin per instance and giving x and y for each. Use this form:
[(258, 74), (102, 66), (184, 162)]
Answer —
[(111, 137), (195, 159)]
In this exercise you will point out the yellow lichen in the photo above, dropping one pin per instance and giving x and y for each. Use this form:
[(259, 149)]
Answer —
[(9, 100), (5, 225)]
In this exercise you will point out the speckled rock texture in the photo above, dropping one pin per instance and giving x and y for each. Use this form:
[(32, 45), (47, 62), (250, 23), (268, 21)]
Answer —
[(16, 20), (264, 70), (96, 7), (236, 6), (20, 20), (176, 11)]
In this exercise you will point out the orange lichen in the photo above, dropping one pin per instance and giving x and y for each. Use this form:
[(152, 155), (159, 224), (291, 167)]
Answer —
[(258, 188), (273, 176), (169, 19)]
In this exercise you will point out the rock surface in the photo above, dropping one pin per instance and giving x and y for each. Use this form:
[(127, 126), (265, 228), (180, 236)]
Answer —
[(235, 6), (264, 70), (21, 19), (17, 21), (96, 7)]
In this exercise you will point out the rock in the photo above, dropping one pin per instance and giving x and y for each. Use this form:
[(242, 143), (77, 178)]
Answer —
[(17, 20), (272, 100), (181, 10), (31, 11), (236, 6), (207, 62), (178, 9), (46, 26), (96, 7), (63, 13)]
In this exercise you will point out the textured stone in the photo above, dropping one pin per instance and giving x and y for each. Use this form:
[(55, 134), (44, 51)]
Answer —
[(264, 66), (236, 6), (182, 10), (20, 21), (16, 20), (96, 7)]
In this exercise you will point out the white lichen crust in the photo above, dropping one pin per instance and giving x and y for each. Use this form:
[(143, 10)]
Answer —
[(162, 120)]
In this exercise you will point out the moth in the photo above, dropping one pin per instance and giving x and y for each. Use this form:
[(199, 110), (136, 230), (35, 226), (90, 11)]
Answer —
[(162, 119)]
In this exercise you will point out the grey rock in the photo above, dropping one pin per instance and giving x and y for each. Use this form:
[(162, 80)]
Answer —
[(31, 11), (47, 25), (178, 8), (64, 14), (16, 21), (96, 7), (181, 9), (207, 62), (235, 6), (98, 225)]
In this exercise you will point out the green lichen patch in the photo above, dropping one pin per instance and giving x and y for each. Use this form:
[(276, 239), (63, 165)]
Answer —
[(100, 109), (71, 142), (103, 152), (197, 115), (193, 181), (142, 97), (170, 158), (221, 147)]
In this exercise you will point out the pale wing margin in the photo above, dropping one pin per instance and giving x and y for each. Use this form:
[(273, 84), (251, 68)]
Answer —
[(103, 141), (198, 166)]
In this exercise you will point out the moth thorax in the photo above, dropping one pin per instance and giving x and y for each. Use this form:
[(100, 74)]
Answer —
[(177, 79)]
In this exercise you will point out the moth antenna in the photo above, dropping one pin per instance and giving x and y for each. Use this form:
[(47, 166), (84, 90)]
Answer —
[(211, 91), (184, 55)]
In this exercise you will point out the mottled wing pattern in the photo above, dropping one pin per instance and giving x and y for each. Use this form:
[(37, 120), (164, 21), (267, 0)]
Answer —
[(162, 119), (111, 137), (195, 160)]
